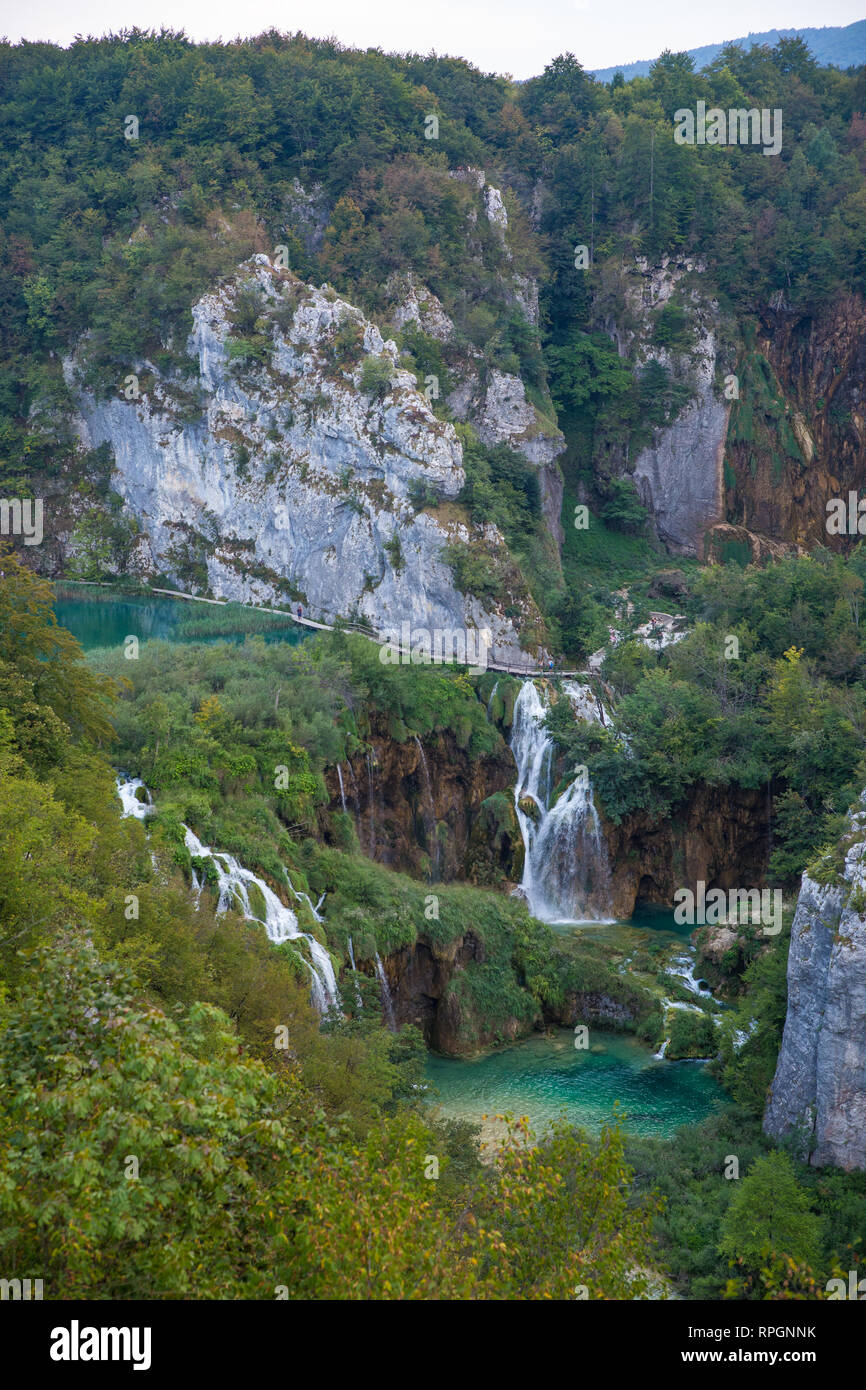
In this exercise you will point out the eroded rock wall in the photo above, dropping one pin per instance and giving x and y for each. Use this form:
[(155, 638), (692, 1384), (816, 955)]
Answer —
[(282, 476), (818, 1094)]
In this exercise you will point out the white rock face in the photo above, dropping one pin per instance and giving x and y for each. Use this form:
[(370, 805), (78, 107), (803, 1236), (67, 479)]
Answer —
[(819, 1090), (417, 304), (294, 482), (495, 208), (680, 478), (505, 416)]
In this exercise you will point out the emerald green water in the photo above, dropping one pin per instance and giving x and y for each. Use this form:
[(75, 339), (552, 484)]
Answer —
[(546, 1078), (98, 619)]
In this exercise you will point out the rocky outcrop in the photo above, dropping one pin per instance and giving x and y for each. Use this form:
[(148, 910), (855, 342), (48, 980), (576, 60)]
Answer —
[(719, 837), (415, 806), (422, 980), (495, 402), (679, 476), (424, 983), (798, 434), (725, 542), (818, 1094), (279, 470)]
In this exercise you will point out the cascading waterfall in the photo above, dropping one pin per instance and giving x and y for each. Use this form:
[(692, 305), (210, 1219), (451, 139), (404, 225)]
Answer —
[(342, 792), (385, 991), (129, 800), (566, 874), (429, 813), (355, 973), (280, 923), (234, 883), (667, 1006)]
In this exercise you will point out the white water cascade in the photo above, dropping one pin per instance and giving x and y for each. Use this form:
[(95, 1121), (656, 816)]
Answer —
[(358, 999), (131, 803), (566, 874), (234, 882), (342, 792), (385, 990), (279, 921)]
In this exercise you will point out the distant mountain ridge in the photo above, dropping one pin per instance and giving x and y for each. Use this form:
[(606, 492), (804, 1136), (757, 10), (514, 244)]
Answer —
[(840, 46)]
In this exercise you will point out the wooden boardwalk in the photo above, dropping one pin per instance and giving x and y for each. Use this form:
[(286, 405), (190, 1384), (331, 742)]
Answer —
[(526, 671)]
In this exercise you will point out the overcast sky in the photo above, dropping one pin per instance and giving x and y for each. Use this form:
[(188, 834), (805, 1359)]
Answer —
[(516, 36)]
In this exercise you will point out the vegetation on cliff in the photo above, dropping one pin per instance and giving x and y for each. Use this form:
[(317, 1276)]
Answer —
[(285, 141), (768, 690), (155, 1141)]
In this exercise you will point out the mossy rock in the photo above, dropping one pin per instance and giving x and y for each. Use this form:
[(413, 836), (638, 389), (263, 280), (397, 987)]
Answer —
[(398, 730), (495, 851), (529, 807), (691, 1035)]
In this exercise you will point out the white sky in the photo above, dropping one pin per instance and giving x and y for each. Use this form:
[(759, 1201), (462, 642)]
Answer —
[(516, 36)]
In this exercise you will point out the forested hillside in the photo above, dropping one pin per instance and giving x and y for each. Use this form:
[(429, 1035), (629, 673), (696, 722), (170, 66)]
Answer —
[(394, 347), (281, 142)]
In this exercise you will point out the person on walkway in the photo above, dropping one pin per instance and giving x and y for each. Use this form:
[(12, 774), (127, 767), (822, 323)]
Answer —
[(300, 611)]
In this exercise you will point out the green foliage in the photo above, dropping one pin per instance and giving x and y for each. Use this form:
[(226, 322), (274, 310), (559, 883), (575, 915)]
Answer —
[(671, 328), (623, 509), (769, 1215), (376, 374)]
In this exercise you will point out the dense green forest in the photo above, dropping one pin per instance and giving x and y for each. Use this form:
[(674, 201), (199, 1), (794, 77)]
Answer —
[(249, 1160), (176, 1120), (282, 141)]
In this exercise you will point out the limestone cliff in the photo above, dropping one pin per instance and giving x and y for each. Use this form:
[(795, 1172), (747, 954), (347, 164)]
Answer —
[(285, 464), (679, 476), (818, 1094), (798, 433), (496, 402), (430, 809)]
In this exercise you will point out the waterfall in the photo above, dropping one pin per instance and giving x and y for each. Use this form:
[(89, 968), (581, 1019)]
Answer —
[(385, 992), (683, 969), (430, 813), (234, 882), (357, 799), (129, 801), (566, 874), (355, 973), (279, 921), (342, 792), (676, 1005)]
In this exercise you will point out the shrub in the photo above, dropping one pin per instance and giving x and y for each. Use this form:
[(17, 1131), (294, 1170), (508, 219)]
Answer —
[(376, 373)]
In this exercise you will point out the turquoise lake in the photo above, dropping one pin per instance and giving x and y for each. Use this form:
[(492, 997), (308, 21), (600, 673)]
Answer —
[(546, 1078), (101, 619)]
